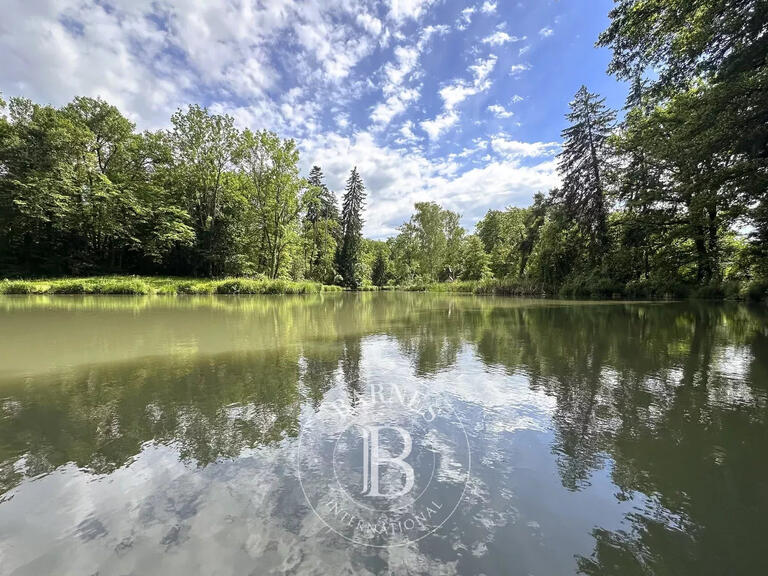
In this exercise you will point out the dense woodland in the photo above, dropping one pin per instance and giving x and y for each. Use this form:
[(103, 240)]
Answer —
[(671, 199)]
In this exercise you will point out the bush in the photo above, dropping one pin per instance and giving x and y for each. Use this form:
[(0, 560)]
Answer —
[(70, 287), (713, 291), (757, 291), (167, 286), (656, 289), (23, 287), (120, 286), (592, 286)]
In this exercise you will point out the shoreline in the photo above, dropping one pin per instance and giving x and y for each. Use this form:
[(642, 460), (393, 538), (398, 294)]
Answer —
[(175, 286)]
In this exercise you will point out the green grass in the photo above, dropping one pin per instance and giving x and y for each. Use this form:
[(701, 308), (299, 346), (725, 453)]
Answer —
[(149, 285), (486, 287), (602, 289)]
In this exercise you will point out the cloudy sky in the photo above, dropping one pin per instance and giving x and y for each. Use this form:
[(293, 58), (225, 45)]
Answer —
[(457, 101)]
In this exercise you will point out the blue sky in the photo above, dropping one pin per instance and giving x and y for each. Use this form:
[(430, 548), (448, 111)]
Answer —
[(455, 101)]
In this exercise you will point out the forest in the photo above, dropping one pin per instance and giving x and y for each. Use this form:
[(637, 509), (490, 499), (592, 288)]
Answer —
[(667, 197)]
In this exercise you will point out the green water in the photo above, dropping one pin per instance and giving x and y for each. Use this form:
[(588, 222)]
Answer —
[(165, 435)]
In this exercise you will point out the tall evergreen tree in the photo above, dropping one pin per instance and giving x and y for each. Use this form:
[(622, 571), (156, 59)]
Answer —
[(321, 228), (352, 230), (324, 208), (582, 163)]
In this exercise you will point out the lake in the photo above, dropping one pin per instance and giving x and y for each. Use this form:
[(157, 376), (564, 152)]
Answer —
[(380, 433)]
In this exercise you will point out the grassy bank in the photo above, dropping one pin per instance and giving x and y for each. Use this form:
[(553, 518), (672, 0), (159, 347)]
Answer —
[(150, 285), (483, 287), (145, 285), (756, 291)]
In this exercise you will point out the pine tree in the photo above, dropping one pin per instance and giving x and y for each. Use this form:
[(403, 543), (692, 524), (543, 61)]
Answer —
[(322, 227), (325, 208), (581, 165), (352, 230)]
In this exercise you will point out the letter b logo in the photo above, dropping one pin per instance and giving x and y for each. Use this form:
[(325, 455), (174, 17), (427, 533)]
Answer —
[(373, 460)]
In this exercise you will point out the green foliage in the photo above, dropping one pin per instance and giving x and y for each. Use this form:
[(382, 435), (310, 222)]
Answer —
[(161, 286), (379, 270), (322, 229), (696, 136), (82, 193), (582, 167), (429, 246), (475, 262), (272, 201), (670, 203), (350, 252), (757, 291)]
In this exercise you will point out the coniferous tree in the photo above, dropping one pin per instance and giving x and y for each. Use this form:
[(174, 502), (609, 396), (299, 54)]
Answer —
[(322, 228), (325, 208), (352, 230), (582, 164)]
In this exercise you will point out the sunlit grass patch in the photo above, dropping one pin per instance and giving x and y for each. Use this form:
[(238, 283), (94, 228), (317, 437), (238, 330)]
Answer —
[(163, 286)]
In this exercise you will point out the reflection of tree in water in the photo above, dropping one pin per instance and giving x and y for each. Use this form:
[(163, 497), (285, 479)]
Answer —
[(673, 396), (699, 457), (655, 389), (350, 368), (432, 337), (99, 418)]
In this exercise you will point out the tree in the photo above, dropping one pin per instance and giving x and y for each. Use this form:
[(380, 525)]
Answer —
[(273, 195), (352, 231), (321, 228), (581, 165), (502, 233), (40, 188), (379, 273), (475, 261), (436, 236), (534, 220), (713, 52), (204, 146)]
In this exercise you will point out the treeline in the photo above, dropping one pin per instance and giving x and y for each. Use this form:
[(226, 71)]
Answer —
[(670, 201), (81, 192)]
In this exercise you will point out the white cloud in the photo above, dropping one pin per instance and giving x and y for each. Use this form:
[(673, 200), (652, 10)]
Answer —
[(515, 150), (401, 10), (286, 65), (407, 136), (546, 32), (500, 37), (441, 123), (396, 179), (149, 57), (488, 7), (370, 23), (384, 112), (396, 74), (342, 121), (455, 93), (517, 69), (524, 50), (500, 111), (483, 68)]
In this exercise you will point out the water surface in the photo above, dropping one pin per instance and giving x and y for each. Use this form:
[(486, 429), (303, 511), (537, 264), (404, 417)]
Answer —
[(160, 435)]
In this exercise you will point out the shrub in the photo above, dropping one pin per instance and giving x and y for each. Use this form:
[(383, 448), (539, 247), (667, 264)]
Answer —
[(23, 287), (757, 291)]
